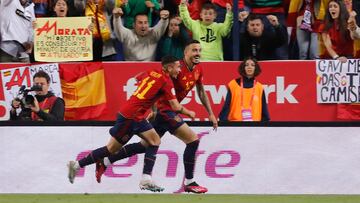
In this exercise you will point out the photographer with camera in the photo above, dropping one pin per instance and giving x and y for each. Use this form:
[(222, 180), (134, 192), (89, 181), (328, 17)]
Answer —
[(44, 106)]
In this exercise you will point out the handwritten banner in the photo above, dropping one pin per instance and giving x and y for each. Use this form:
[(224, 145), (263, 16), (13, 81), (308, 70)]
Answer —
[(63, 39), (338, 82)]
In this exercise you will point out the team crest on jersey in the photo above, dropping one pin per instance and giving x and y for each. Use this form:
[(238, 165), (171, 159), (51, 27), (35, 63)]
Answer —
[(184, 78)]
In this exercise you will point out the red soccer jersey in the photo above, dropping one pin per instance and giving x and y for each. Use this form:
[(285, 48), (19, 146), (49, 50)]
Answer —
[(183, 84), (151, 86), (343, 45)]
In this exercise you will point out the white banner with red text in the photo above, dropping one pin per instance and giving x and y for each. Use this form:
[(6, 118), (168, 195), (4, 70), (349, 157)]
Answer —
[(22, 77), (248, 160)]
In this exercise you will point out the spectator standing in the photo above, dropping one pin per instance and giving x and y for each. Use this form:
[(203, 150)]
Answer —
[(339, 31), (304, 16), (208, 32), (44, 8), (245, 100), (140, 43), (174, 41), (103, 45), (16, 30), (260, 43), (60, 8), (264, 8)]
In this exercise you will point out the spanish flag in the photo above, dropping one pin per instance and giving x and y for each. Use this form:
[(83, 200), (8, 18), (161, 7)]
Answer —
[(83, 89)]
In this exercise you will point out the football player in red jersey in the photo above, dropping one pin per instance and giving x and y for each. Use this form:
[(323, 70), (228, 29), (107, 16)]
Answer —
[(132, 119), (165, 119)]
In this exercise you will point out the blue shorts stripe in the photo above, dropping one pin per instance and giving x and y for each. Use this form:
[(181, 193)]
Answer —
[(125, 128), (167, 121)]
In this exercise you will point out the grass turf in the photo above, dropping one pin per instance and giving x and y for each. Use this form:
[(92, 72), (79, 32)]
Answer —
[(175, 198)]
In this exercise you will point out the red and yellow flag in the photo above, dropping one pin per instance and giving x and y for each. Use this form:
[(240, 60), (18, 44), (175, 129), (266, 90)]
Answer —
[(83, 89)]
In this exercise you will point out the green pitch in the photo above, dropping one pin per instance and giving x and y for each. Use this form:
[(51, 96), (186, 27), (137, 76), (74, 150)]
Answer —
[(175, 198)]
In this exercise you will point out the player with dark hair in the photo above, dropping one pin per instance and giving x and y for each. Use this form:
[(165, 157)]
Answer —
[(131, 120), (165, 119)]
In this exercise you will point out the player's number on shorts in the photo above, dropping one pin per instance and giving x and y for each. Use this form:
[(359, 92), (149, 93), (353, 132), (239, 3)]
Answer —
[(142, 89)]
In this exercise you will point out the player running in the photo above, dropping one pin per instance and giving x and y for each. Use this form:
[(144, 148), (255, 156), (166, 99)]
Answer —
[(131, 119), (166, 119)]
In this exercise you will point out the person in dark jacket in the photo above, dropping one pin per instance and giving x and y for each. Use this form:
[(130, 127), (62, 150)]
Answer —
[(260, 43), (45, 107)]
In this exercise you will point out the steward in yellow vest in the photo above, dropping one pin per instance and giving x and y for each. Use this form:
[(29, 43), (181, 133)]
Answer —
[(245, 100)]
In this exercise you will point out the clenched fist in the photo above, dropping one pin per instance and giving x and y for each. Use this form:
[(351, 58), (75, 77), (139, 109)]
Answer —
[(164, 14), (273, 20), (117, 12)]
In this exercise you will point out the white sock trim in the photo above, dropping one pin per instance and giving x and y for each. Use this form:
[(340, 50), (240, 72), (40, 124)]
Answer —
[(107, 161), (77, 165), (188, 181), (146, 177)]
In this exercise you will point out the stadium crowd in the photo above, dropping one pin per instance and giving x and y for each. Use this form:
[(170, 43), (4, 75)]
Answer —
[(146, 30)]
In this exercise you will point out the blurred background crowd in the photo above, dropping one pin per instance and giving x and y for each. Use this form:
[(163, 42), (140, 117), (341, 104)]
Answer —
[(146, 30)]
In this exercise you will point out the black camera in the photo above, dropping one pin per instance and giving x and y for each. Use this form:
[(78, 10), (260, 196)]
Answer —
[(28, 99)]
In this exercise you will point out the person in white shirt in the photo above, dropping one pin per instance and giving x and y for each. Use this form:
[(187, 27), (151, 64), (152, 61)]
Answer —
[(16, 30), (140, 43)]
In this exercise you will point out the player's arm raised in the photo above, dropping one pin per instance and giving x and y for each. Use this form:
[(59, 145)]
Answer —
[(205, 102), (178, 108)]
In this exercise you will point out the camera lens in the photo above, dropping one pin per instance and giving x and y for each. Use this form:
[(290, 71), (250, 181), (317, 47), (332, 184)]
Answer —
[(29, 100)]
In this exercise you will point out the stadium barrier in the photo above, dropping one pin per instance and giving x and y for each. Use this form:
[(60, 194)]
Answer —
[(239, 158), (290, 87)]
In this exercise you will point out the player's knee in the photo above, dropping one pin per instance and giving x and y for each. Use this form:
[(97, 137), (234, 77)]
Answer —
[(144, 143), (191, 139), (111, 149), (158, 142), (154, 142), (194, 138)]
